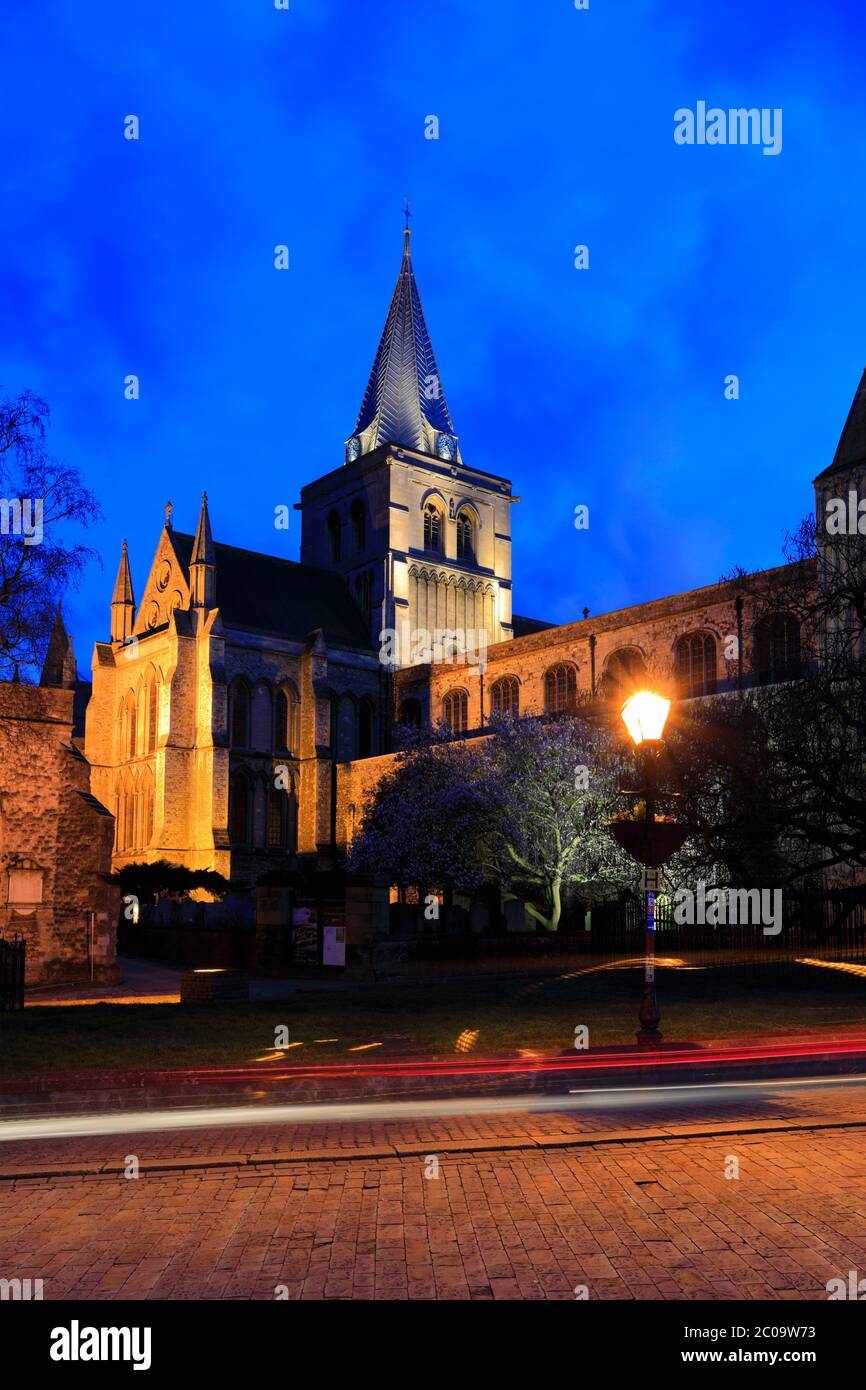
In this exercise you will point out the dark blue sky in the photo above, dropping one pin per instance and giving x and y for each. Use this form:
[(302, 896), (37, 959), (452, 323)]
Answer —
[(306, 127)]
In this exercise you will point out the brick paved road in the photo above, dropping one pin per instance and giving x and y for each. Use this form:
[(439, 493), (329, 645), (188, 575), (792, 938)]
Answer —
[(649, 1220), (773, 1102)]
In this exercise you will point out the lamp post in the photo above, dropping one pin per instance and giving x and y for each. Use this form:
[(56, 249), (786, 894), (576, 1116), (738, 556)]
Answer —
[(645, 715)]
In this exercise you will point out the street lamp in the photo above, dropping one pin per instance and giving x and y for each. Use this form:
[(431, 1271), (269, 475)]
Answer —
[(645, 715)]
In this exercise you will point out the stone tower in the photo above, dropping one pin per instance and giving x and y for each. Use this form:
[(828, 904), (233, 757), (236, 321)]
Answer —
[(422, 537)]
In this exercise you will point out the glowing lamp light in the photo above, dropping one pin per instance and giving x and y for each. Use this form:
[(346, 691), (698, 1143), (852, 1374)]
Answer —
[(645, 715)]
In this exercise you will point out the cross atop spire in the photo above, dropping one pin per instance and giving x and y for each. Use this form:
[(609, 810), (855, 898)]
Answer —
[(404, 402)]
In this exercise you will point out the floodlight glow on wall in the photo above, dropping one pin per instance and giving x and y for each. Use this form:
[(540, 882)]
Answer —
[(645, 715)]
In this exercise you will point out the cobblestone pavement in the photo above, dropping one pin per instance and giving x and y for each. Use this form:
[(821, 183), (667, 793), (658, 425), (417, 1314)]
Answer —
[(652, 1220)]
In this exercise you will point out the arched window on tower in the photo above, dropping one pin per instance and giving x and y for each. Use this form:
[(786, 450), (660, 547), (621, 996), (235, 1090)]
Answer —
[(240, 808), (560, 689), (240, 715), (465, 537), (695, 663), (455, 709), (364, 591), (777, 649), (505, 698), (358, 518), (432, 527), (334, 535)]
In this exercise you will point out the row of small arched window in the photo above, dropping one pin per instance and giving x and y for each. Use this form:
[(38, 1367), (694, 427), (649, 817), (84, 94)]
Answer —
[(252, 726), (261, 721), (279, 827), (776, 658), (139, 717), (133, 816), (433, 531)]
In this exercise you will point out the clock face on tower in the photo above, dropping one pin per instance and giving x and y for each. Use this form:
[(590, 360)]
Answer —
[(445, 446), (353, 449)]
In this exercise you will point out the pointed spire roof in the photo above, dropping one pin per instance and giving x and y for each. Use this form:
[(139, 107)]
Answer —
[(404, 402), (60, 667), (202, 546), (123, 583), (851, 449)]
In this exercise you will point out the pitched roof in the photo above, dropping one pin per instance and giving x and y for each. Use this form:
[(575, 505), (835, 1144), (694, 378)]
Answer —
[(522, 627), (404, 402), (263, 593), (851, 449)]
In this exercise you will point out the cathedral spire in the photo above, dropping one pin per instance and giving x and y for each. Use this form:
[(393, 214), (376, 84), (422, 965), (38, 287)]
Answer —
[(60, 667), (122, 601), (202, 564), (404, 402), (851, 449)]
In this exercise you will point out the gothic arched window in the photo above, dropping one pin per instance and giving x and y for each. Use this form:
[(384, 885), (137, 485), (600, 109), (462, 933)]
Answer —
[(152, 713), (240, 715), (777, 648), (288, 720), (334, 535), (505, 698), (560, 689), (130, 829), (144, 817), (695, 660), (358, 518), (240, 806), (432, 527), (364, 591), (410, 713), (261, 718), (121, 824), (278, 817), (624, 673), (130, 747), (465, 538), (455, 708)]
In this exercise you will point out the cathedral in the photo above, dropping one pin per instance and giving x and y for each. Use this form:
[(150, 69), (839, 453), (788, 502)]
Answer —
[(241, 710)]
